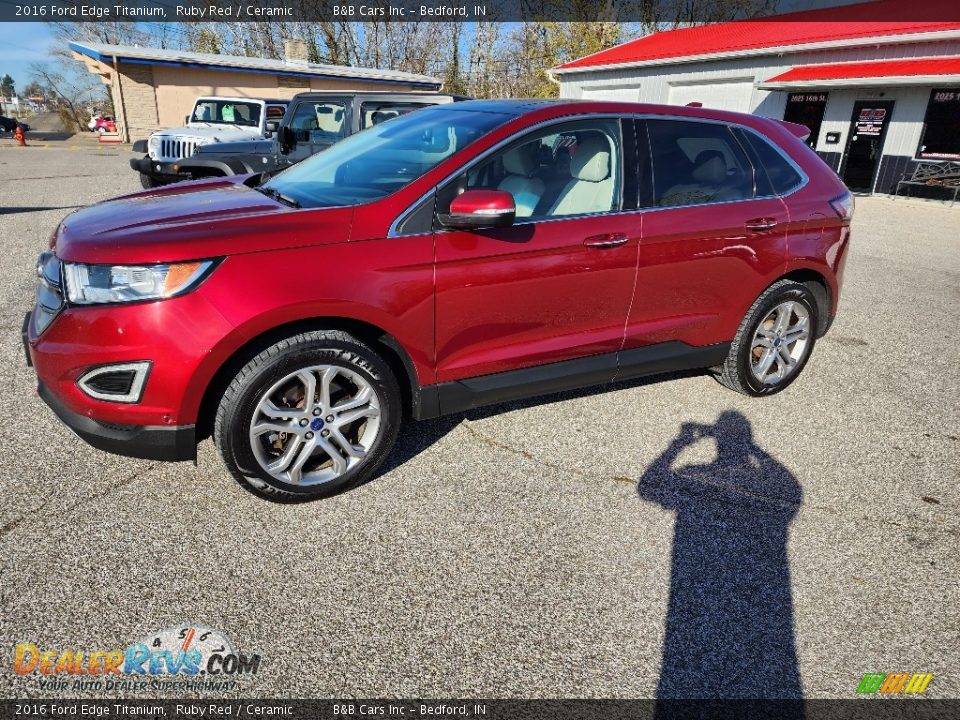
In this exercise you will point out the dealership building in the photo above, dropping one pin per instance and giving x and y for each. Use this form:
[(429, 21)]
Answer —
[(155, 89), (879, 94)]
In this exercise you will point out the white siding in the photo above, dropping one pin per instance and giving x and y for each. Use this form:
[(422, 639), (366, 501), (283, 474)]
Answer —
[(735, 95), (730, 84)]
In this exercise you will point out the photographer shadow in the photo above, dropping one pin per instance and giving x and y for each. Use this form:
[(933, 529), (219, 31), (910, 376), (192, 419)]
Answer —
[(729, 627)]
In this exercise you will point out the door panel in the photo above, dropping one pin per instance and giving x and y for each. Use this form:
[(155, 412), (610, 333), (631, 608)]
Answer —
[(701, 267), (532, 293), (556, 285), (709, 245)]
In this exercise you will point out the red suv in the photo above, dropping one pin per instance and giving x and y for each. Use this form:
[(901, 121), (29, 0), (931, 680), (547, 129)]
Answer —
[(454, 257)]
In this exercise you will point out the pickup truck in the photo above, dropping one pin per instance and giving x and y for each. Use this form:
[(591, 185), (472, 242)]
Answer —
[(214, 120), (313, 122)]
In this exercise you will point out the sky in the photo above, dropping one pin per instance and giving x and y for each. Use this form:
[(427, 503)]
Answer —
[(20, 45)]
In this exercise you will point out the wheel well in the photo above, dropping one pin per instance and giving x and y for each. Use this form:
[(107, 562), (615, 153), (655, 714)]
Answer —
[(818, 286), (384, 343)]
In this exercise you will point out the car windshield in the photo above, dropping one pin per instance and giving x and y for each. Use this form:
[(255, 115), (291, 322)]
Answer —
[(226, 112), (383, 159)]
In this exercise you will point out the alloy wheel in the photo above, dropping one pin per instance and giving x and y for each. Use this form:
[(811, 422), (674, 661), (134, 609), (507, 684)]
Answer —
[(780, 342), (315, 424)]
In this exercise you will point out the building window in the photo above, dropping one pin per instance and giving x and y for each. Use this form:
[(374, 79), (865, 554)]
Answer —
[(941, 127), (807, 109)]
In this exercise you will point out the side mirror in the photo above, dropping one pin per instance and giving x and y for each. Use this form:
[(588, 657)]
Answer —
[(288, 140), (186, 119), (479, 209)]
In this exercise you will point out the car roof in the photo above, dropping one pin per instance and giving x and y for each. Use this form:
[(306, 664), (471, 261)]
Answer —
[(548, 108)]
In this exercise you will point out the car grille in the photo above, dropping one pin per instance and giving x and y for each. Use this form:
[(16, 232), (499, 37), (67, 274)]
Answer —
[(49, 291), (175, 149)]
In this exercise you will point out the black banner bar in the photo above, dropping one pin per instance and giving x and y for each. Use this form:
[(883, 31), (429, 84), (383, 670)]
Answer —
[(645, 11), (478, 709)]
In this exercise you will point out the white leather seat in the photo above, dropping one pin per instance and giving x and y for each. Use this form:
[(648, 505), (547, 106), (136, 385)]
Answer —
[(711, 183), (520, 163), (591, 187)]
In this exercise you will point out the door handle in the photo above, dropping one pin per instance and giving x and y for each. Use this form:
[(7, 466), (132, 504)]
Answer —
[(607, 240), (761, 224)]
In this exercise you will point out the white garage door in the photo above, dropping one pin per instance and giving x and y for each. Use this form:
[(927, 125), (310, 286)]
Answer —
[(733, 95), (620, 93)]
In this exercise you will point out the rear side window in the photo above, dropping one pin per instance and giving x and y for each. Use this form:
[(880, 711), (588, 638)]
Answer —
[(782, 176), (696, 163), (374, 113)]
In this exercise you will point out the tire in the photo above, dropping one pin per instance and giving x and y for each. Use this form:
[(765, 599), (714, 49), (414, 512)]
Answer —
[(272, 390), (148, 182), (753, 345)]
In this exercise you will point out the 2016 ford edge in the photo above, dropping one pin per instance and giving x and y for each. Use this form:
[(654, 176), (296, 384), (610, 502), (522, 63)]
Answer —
[(462, 255)]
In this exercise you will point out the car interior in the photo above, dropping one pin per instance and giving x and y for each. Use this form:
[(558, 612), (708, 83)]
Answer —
[(572, 173)]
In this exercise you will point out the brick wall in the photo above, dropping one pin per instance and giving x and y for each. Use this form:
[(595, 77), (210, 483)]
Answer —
[(139, 101)]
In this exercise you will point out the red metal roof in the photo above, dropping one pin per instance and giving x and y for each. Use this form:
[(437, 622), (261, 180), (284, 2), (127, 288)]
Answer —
[(874, 69), (849, 22)]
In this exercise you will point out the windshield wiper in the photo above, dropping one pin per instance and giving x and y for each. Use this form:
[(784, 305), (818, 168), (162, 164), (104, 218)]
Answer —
[(277, 195)]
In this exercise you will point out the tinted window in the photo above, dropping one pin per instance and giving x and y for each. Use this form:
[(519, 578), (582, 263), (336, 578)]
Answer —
[(782, 175), (562, 170), (696, 163), (941, 126), (374, 113), (319, 122), (383, 159)]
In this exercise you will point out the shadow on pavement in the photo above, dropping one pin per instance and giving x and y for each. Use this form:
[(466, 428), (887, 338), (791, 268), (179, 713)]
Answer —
[(729, 626)]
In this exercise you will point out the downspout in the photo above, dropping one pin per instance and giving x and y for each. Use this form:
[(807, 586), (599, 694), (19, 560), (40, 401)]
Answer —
[(125, 136)]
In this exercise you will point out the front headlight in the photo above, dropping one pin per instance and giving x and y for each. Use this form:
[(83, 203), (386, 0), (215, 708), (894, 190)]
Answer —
[(90, 284), (153, 146)]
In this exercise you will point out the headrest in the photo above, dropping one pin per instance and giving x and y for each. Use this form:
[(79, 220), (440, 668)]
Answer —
[(591, 161), (520, 160), (710, 168)]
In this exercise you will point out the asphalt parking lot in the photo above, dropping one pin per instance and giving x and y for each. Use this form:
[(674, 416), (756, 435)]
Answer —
[(543, 549)]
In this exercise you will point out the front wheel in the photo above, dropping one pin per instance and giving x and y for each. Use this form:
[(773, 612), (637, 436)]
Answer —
[(310, 416), (774, 341)]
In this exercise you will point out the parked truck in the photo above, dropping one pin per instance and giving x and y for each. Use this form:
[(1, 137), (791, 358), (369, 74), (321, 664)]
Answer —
[(313, 121), (214, 120)]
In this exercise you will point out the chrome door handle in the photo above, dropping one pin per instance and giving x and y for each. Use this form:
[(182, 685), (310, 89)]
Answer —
[(607, 240), (761, 224)]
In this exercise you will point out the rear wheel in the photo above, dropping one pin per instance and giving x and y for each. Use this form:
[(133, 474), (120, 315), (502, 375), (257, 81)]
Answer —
[(309, 417), (774, 341)]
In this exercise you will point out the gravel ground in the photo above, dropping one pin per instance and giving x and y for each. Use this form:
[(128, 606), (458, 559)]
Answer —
[(802, 541)]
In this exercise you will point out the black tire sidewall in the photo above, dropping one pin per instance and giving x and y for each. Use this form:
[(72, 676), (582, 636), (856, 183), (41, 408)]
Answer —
[(234, 438), (797, 293)]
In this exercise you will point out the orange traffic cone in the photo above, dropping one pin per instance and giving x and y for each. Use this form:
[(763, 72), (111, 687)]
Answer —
[(18, 134)]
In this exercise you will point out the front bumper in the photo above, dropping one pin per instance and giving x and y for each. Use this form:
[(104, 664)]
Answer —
[(151, 443), (157, 170)]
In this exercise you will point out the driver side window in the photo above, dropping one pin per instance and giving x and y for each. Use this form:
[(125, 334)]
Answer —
[(564, 170)]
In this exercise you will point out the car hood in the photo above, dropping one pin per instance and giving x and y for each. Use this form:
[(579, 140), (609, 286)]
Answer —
[(190, 221), (217, 132)]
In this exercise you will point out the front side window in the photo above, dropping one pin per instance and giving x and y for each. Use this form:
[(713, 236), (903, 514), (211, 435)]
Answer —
[(941, 129), (383, 159), (695, 163), (567, 169), (318, 122), (227, 112)]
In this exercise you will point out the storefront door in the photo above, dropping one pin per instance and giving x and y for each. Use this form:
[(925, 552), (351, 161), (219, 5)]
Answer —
[(868, 127)]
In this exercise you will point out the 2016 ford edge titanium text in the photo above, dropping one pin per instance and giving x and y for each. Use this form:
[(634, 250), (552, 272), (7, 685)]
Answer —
[(458, 256)]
